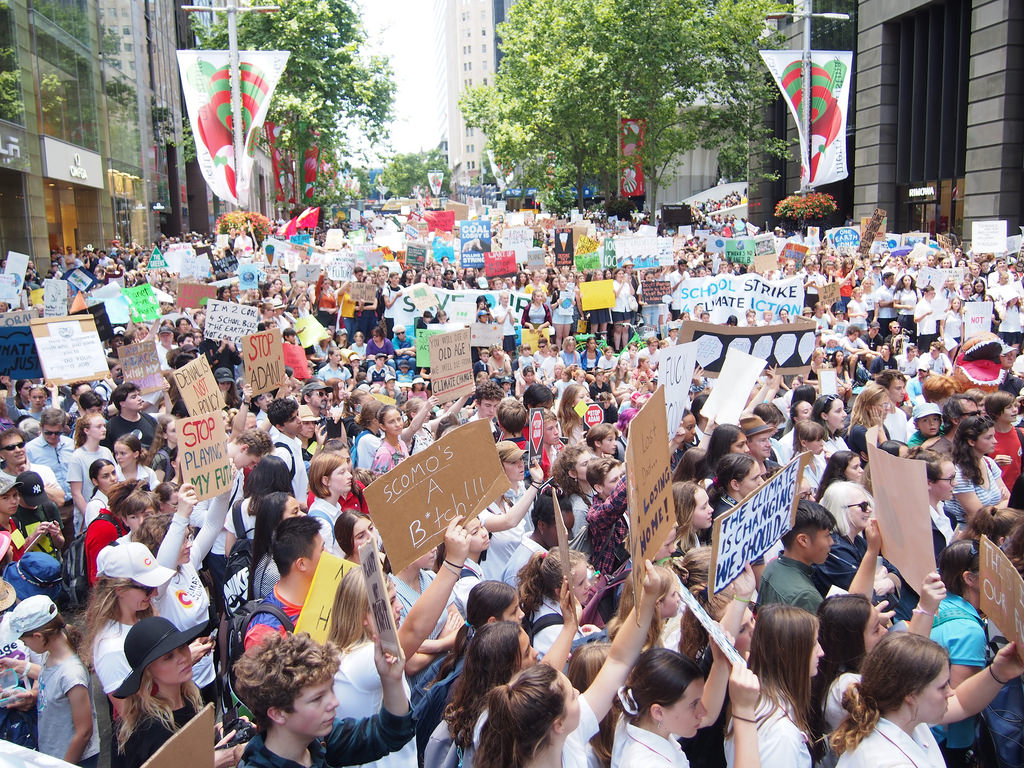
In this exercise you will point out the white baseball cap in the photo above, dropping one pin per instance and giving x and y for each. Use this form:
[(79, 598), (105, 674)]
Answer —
[(132, 561), (30, 614)]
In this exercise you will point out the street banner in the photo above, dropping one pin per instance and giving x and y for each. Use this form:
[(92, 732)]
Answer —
[(725, 295), (631, 144), (206, 83), (830, 99)]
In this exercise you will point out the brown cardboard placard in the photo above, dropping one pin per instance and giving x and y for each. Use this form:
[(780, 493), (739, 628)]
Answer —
[(198, 387), (1002, 593), (828, 294), (381, 615), (263, 357), (766, 262), (191, 746), (563, 536), (451, 365), (362, 291), (140, 363), (412, 504), (202, 454), (69, 349), (868, 233), (461, 210)]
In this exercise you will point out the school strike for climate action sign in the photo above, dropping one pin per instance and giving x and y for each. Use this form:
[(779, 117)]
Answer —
[(413, 504), (203, 454), (749, 529), (725, 295)]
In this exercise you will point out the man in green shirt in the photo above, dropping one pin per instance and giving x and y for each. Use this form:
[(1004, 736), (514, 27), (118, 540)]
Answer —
[(787, 579)]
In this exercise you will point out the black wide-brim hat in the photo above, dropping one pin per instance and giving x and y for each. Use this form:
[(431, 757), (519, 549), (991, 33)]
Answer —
[(147, 641)]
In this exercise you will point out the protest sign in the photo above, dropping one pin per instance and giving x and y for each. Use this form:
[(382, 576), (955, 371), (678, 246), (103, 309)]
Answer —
[(102, 320), (930, 276), (228, 320), (766, 262), (562, 534), (188, 746), (485, 334), (334, 239), (535, 258), (422, 296), (535, 438), (142, 304), (829, 381), (796, 252), (945, 242), (786, 347), (732, 388), (675, 372), (69, 349), (55, 298), (651, 509), (867, 235), (563, 247), (712, 627), (735, 294), (295, 358), (901, 508), (315, 617), (451, 366), (654, 291), (14, 270), (195, 295), (264, 361), (423, 345), (988, 236), (828, 294), (500, 263), (198, 387), (1002, 593), (749, 529), (416, 255), (977, 318), (597, 294), (381, 615), (224, 263), (474, 242), (360, 291), (203, 455), (461, 312), (80, 278), (413, 504), (739, 250), (249, 276), (309, 331), (307, 273), (340, 267), (22, 317), (18, 356), (519, 240), (140, 363)]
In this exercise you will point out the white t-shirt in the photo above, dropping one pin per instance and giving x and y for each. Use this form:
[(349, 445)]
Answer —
[(779, 741), (636, 746), (889, 746), (834, 712), (108, 657), (327, 514), (78, 467), (291, 454)]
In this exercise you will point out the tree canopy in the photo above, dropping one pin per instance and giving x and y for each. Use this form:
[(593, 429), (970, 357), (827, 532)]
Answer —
[(405, 172)]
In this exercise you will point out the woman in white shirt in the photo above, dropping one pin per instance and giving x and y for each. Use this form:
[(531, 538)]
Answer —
[(889, 714), (330, 479), (951, 327), (128, 453)]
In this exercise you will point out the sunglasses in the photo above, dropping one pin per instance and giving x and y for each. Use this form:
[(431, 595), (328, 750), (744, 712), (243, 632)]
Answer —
[(13, 446), (864, 506), (144, 588), (50, 433)]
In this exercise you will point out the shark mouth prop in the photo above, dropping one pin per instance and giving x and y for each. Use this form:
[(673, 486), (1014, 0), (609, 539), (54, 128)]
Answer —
[(978, 364)]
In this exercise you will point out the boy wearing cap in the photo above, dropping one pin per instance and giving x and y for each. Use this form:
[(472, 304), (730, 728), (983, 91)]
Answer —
[(928, 421), (37, 513), (10, 497)]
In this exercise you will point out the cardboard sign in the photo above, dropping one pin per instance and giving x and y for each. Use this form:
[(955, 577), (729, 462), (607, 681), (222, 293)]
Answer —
[(413, 504), (334, 239), (360, 291), (749, 529), (485, 334), (1002, 593), (69, 349), (597, 294), (203, 455), (451, 366), (381, 615), (228, 320), (796, 252), (422, 296), (787, 347), (901, 508), (309, 331), (712, 627), (676, 365), (142, 304), (651, 508), (264, 361), (140, 363), (828, 294), (766, 262), (945, 242), (500, 263), (563, 536), (198, 387), (307, 273), (315, 617), (195, 295), (191, 746), (102, 320), (868, 233), (55, 298), (977, 318), (18, 356), (655, 291)]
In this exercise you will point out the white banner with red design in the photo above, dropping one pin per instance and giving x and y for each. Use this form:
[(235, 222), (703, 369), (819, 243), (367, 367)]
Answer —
[(631, 143), (830, 99), (434, 178), (276, 161), (206, 81)]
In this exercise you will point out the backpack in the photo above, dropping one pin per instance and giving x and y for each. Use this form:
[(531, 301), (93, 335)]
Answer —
[(74, 576), (237, 566), (237, 628), (291, 456), (534, 628)]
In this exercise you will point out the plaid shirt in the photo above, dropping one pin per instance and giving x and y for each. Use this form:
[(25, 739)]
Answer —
[(608, 528)]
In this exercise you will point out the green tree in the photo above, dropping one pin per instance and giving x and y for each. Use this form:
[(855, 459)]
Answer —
[(330, 86), (405, 172)]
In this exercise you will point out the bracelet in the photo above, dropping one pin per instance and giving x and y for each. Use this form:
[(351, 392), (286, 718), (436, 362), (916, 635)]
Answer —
[(450, 564), (923, 612), (1001, 682), (745, 719), (739, 599)]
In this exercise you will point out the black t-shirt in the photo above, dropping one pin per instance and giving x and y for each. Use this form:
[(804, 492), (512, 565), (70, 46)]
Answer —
[(150, 735), (144, 429)]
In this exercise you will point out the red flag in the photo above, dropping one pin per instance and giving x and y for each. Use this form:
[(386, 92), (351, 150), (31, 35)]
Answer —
[(288, 229), (440, 221), (308, 218)]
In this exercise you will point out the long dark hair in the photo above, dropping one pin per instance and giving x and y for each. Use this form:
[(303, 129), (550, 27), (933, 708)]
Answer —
[(733, 466), (964, 456), (268, 476), (268, 511), (835, 470), (720, 443), (487, 600)]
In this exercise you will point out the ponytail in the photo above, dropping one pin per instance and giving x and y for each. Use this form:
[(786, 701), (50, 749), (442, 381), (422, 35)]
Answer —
[(541, 577), (519, 718), (861, 718)]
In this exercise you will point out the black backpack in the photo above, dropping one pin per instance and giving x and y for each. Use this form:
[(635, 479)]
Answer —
[(74, 576), (291, 456), (533, 628), (237, 567), (237, 628)]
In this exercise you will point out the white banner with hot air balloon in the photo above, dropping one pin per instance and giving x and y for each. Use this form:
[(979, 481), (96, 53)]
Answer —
[(830, 99), (206, 81)]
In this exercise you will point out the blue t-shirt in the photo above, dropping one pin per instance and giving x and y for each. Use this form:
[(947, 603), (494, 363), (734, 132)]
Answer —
[(959, 629)]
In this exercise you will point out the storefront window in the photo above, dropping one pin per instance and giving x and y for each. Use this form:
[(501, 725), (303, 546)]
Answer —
[(12, 105), (932, 206), (67, 99)]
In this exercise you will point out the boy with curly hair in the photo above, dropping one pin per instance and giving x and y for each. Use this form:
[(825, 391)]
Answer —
[(287, 683)]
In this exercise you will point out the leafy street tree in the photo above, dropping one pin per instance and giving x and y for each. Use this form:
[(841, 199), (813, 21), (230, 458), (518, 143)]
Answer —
[(405, 172)]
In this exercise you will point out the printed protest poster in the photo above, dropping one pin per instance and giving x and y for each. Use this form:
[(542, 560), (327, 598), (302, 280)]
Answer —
[(18, 356), (749, 529), (563, 247), (654, 291), (977, 318), (901, 508), (726, 295), (1002, 593), (451, 366), (189, 746), (195, 295), (786, 347), (413, 504), (597, 294), (69, 349), (249, 276), (651, 509), (500, 263), (474, 242), (264, 361), (198, 387), (203, 454), (228, 320), (140, 363), (381, 615), (295, 358), (142, 304), (315, 617), (422, 296), (988, 236), (416, 255), (55, 298), (676, 365)]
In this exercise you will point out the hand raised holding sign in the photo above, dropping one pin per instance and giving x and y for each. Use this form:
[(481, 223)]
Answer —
[(456, 542)]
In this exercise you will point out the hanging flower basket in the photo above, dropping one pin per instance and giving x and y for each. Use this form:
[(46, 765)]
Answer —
[(242, 220), (814, 205)]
